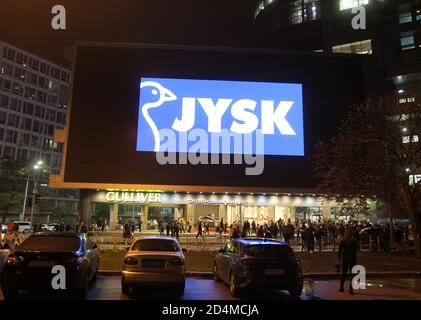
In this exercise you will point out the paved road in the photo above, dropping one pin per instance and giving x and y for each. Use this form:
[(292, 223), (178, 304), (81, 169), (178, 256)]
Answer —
[(108, 288)]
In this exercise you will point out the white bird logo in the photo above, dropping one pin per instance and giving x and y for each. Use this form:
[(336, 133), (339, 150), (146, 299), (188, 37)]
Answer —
[(165, 95)]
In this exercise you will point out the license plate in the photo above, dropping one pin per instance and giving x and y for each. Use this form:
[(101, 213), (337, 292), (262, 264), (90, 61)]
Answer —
[(274, 272), (153, 263), (41, 263)]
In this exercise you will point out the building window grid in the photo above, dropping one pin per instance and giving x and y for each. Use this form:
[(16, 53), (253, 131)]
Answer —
[(407, 40), (29, 77), (38, 65)]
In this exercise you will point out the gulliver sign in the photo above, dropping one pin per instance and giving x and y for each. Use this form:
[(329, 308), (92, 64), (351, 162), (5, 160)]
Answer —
[(139, 197)]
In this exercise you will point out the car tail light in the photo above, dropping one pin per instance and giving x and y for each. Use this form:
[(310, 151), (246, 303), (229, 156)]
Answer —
[(177, 261), (13, 260), (131, 261)]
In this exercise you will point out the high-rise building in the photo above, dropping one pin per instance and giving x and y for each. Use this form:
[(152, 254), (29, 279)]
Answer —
[(392, 34), (32, 106)]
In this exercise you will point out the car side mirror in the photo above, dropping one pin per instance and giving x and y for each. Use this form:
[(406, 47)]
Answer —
[(184, 250), (221, 250), (128, 248)]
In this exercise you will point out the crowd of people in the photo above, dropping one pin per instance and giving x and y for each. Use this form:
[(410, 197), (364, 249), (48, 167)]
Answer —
[(308, 235), (314, 235), (11, 240)]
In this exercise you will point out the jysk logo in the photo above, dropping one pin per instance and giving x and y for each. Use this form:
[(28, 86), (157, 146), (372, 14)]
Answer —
[(191, 113)]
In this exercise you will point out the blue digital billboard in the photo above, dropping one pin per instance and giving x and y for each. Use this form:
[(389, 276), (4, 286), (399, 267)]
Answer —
[(185, 115)]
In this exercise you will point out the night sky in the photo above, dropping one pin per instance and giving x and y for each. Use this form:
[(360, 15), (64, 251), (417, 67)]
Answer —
[(27, 23)]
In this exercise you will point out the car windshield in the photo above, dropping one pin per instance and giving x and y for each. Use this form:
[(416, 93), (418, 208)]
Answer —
[(155, 245), (268, 250), (50, 244)]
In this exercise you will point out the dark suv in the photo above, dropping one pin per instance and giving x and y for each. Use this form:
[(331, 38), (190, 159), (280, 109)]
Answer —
[(254, 263)]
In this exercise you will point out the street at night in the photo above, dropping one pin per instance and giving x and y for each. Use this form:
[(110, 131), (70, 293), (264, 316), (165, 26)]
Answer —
[(109, 288)]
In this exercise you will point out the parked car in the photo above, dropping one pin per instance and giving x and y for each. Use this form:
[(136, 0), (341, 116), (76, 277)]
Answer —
[(254, 263), (3, 256), (52, 227), (208, 219), (4, 229), (22, 226), (30, 265), (156, 261)]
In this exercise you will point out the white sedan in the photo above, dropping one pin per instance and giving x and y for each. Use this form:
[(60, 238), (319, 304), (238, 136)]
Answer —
[(155, 261)]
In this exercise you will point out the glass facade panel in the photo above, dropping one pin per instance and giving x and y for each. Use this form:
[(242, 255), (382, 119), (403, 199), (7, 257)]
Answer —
[(359, 47), (349, 4)]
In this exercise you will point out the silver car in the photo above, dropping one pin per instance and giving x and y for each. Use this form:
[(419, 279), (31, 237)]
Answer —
[(156, 261)]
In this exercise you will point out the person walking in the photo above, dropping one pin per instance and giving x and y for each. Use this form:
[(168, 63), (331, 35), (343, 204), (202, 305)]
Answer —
[(260, 232), (235, 233), (347, 257), (253, 227), (308, 237), (167, 228), (319, 237), (221, 226), (199, 230), (177, 230)]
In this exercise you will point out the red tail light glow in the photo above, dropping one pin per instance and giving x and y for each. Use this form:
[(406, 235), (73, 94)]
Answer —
[(13, 260), (131, 261), (177, 261)]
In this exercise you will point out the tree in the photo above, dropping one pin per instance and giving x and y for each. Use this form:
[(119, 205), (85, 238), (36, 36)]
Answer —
[(60, 213), (377, 153), (12, 184)]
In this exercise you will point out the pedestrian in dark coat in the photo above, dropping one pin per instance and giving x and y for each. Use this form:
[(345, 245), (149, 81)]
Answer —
[(199, 230), (168, 227), (347, 257)]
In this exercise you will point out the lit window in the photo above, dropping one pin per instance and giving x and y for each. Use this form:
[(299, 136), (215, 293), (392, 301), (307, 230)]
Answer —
[(359, 47), (414, 178), (349, 4), (407, 139), (407, 40), (405, 17), (406, 100), (405, 14), (296, 12)]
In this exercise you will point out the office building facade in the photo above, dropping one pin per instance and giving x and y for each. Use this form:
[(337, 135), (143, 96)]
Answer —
[(32, 107)]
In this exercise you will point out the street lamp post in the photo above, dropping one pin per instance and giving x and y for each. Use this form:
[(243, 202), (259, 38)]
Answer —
[(22, 216), (34, 191)]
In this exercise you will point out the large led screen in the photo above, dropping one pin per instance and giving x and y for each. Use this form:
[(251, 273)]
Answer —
[(173, 110), (130, 101)]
